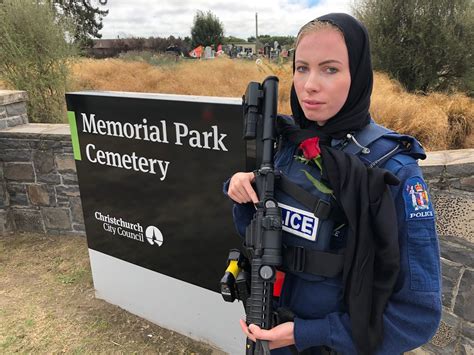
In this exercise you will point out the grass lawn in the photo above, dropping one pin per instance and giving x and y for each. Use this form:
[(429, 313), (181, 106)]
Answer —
[(47, 305)]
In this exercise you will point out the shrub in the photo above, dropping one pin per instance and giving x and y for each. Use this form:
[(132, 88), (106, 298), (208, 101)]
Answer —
[(426, 45), (34, 56)]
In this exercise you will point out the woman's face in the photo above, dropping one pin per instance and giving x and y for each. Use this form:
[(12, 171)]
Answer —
[(322, 77)]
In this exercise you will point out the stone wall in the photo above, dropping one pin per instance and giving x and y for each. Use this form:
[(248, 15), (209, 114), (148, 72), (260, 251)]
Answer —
[(38, 180), (12, 108), (450, 176), (39, 193), (38, 183)]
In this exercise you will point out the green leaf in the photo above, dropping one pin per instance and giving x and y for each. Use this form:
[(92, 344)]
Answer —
[(318, 162), (318, 184), (301, 159)]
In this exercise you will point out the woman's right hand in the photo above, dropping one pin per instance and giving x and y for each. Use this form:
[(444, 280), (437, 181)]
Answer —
[(240, 188)]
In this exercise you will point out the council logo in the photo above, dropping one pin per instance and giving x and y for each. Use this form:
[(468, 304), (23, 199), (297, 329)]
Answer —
[(154, 236)]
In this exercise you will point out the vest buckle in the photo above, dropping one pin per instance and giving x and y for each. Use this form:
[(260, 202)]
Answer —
[(299, 259), (322, 209)]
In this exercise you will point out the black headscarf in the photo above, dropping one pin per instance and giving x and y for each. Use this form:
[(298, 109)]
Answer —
[(354, 115)]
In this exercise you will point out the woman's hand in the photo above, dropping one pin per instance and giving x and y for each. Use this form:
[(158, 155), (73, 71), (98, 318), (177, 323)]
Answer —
[(280, 336), (240, 188)]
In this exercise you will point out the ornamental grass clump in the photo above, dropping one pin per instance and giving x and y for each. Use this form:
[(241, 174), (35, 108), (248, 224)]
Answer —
[(437, 120), (459, 110)]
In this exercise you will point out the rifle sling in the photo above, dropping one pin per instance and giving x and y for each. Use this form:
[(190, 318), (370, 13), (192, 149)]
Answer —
[(321, 209), (299, 259)]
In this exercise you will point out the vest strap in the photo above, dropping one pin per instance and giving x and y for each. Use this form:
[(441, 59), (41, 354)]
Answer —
[(299, 259), (321, 208)]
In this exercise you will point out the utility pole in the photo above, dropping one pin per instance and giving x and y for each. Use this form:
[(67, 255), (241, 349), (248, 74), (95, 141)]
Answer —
[(256, 33)]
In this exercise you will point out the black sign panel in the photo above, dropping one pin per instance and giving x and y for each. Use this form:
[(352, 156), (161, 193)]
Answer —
[(150, 171)]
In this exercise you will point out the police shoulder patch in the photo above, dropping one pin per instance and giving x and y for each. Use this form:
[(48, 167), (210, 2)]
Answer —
[(417, 202)]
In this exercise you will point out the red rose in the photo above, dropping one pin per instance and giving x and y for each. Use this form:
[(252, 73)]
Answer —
[(310, 148)]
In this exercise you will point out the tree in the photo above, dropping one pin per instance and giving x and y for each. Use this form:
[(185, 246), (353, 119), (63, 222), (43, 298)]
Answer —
[(207, 30), (425, 44), (34, 56), (87, 19), (232, 39), (282, 40)]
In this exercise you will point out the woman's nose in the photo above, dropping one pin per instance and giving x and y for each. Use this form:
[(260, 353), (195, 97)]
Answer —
[(313, 83)]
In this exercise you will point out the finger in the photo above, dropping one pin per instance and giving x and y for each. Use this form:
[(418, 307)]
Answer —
[(253, 176), (262, 334), (245, 197), (240, 188), (251, 193), (242, 195), (238, 194), (234, 192), (245, 329)]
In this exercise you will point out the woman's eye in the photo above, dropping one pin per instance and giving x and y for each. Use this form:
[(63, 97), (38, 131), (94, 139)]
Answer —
[(331, 70), (301, 69)]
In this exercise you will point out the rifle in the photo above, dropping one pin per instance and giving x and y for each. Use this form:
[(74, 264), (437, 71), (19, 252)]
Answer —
[(263, 236)]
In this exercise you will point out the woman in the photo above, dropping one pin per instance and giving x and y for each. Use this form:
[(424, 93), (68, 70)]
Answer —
[(381, 290)]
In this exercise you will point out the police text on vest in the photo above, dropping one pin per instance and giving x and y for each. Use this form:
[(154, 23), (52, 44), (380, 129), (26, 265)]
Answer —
[(299, 222)]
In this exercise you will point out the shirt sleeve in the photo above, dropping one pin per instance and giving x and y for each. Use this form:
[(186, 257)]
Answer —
[(413, 312), (243, 213)]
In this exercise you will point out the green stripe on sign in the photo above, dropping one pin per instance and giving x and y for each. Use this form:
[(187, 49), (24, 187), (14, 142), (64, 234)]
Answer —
[(74, 137)]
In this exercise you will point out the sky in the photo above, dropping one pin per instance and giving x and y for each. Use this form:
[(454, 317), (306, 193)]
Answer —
[(163, 18)]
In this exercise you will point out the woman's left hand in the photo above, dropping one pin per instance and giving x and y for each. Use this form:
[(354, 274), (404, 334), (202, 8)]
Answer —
[(280, 336)]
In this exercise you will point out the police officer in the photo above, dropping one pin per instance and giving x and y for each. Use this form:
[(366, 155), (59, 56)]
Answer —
[(330, 96)]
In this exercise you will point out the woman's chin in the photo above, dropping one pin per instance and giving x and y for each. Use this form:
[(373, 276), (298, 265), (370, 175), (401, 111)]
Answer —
[(318, 120)]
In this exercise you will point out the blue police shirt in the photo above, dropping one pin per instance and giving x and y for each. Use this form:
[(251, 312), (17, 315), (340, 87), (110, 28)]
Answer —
[(413, 312)]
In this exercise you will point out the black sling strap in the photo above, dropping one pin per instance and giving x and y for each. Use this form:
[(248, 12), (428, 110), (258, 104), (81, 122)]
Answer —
[(321, 209), (299, 259)]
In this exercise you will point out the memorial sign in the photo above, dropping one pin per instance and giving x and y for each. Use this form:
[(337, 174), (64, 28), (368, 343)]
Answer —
[(151, 169)]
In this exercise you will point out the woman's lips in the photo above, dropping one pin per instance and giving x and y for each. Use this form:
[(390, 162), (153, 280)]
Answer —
[(312, 104)]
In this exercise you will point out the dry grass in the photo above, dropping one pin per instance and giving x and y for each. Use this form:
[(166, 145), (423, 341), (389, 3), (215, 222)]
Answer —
[(219, 77), (4, 86), (459, 110), (439, 121), (47, 305)]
